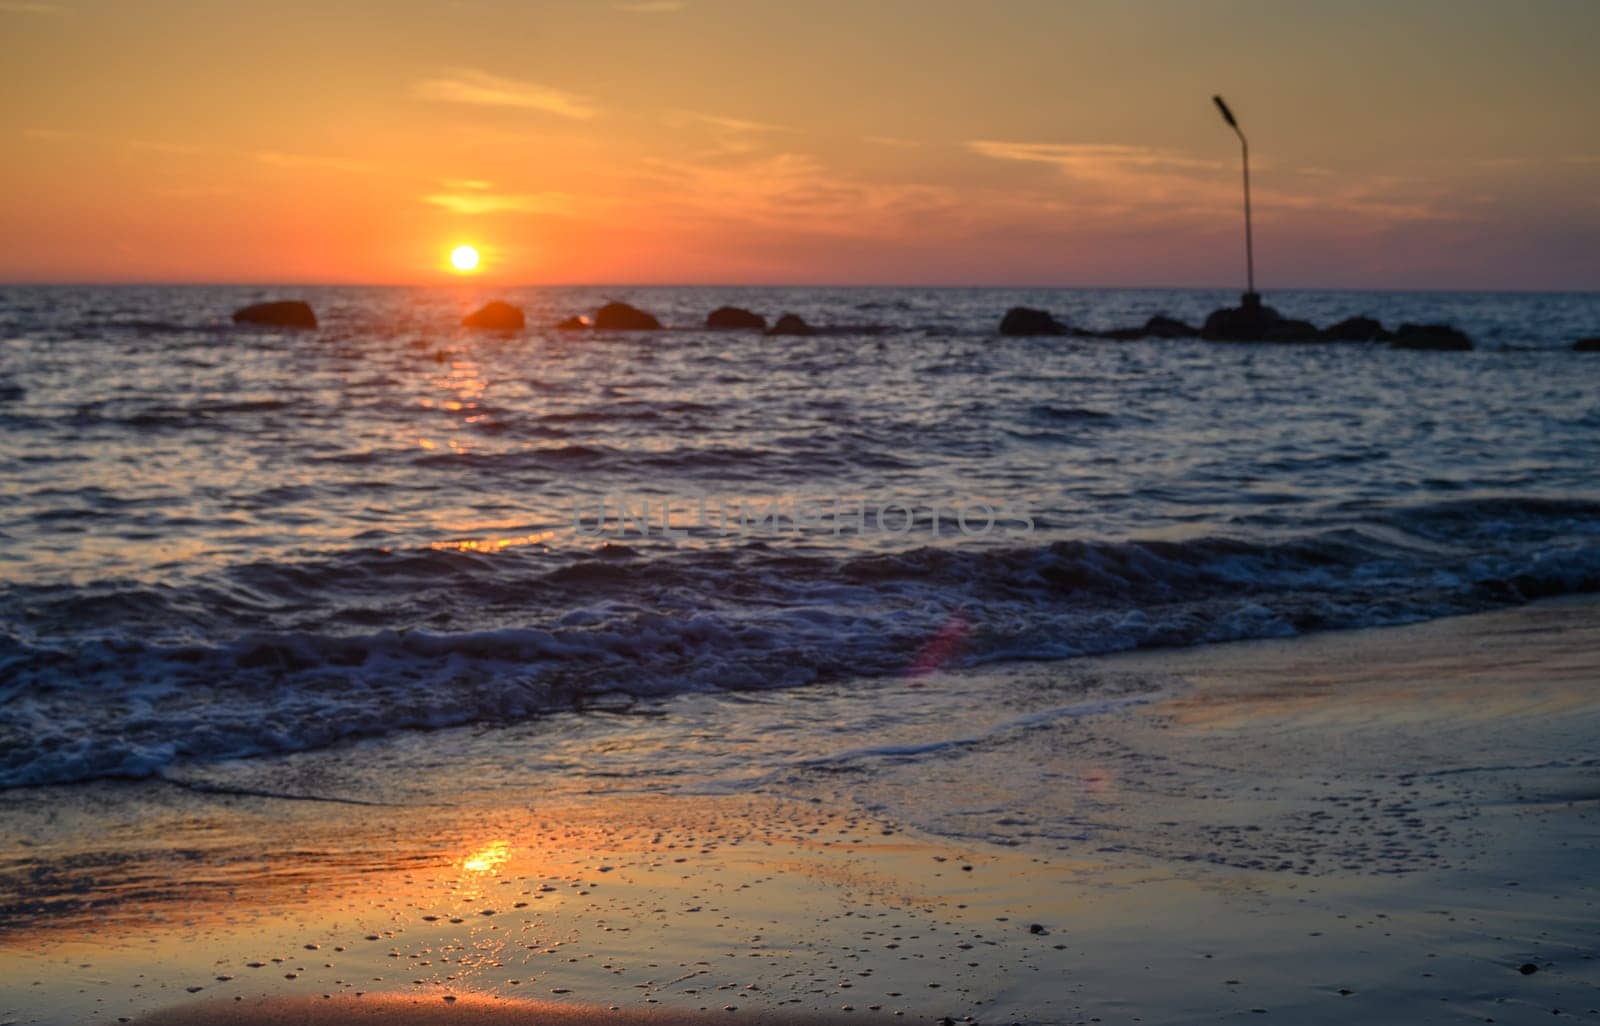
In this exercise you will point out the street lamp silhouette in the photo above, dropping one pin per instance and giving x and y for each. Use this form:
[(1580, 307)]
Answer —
[(1250, 300)]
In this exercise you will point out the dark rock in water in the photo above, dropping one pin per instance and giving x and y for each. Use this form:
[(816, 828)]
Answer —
[(1437, 337), (1251, 321), (1156, 327), (622, 317), (1586, 345), (1286, 329), (1168, 327), (791, 324), (286, 313), (574, 324), (496, 316), (1022, 322), (1527, 969), (735, 318), (1356, 329), (1248, 322)]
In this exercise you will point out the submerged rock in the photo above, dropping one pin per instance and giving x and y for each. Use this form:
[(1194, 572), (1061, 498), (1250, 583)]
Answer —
[(1586, 345), (1024, 322), (791, 324), (496, 316), (622, 317), (1436, 337), (1357, 329), (284, 313), (729, 318)]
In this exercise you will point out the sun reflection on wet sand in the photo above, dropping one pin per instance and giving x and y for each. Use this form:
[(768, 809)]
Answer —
[(488, 858)]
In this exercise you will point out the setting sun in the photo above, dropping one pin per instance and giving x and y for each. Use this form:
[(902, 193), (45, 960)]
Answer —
[(464, 259)]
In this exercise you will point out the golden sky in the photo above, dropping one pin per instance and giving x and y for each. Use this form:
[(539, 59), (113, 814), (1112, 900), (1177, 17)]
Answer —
[(1396, 144)]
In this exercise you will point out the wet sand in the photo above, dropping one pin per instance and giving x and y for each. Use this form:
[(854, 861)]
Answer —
[(395, 1010), (1378, 826)]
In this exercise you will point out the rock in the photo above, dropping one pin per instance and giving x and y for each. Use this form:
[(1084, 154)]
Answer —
[(496, 316), (1158, 326), (286, 313), (1586, 345), (1435, 337), (1248, 322), (791, 324), (1022, 322), (574, 323), (1168, 327), (1527, 969), (1251, 321), (1287, 329), (728, 318), (1356, 329), (622, 317)]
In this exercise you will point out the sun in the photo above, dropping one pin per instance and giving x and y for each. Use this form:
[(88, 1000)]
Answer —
[(464, 259)]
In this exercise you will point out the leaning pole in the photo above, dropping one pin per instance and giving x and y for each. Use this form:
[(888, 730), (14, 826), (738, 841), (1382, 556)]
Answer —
[(1250, 300)]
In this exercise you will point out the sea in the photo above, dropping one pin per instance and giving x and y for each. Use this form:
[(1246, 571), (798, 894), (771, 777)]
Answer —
[(223, 543)]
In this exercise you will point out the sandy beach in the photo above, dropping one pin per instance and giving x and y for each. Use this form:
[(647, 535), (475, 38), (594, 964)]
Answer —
[(667, 512), (1391, 825)]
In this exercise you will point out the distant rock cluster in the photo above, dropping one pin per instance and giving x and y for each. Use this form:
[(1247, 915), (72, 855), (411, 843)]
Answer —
[(1251, 321), (285, 313)]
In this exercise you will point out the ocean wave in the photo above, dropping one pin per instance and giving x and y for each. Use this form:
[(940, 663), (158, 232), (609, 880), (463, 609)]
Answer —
[(124, 679)]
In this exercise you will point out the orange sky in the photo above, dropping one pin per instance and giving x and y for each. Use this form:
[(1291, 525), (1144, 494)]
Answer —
[(1397, 144)]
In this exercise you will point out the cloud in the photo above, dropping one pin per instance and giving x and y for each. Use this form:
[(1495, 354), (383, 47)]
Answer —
[(729, 136), (1088, 157), (679, 118), (54, 135), (476, 200), (891, 140), (486, 90), (276, 158), (1138, 185), (793, 192), (652, 6), (171, 149)]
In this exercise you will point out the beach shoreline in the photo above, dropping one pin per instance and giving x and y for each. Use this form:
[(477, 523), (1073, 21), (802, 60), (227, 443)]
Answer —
[(1382, 825)]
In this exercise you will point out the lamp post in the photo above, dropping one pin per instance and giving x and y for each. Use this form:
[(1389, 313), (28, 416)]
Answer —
[(1251, 300)]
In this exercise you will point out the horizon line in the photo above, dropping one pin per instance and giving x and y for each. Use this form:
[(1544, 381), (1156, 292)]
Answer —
[(454, 284)]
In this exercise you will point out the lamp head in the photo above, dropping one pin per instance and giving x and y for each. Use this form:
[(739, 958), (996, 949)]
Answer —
[(1227, 115)]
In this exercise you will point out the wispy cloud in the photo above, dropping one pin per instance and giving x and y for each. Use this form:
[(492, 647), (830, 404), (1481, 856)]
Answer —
[(26, 7), (306, 161), (475, 199), (171, 149), (729, 136), (652, 6), (1143, 185), (485, 90), (679, 118), (1080, 157), (54, 135), (794, 192)]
